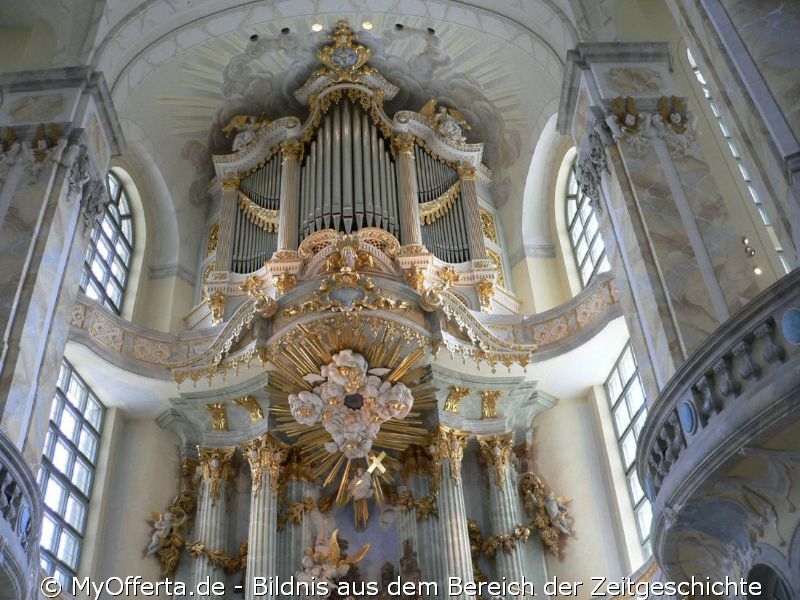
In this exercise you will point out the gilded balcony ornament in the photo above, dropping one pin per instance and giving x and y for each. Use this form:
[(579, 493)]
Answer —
[(216, 467), (415, 277), (497, 262), (438, 207), (250, 404), (216, 303), (347, 292), (265, 218), (485, 289), (488, 226), (219, 416), (489, 403), (448, 276), (285, 282), (454, 398), (213, 239), (495, 453)]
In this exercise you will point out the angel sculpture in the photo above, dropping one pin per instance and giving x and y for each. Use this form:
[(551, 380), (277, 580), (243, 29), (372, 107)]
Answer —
[(556, 511), (247, 126), (360, 486), (326, 561), (675, 123), (167, 540), (449, 122), (625, 118)]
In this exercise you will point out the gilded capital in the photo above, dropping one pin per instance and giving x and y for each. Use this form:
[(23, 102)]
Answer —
[(467, 172), (489, 403), (454, 398), (448, 444), (219, 416), (250, 404), (284, 282), (292, 150), (265, 454), (415, 277), (216, 467), (495, 452), (230, 183), (403, 143), (296, 467)]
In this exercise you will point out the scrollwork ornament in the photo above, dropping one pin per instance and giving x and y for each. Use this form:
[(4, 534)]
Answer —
[(93, 204)]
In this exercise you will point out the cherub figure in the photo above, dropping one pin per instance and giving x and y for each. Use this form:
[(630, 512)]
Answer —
[(556, 511), (246, 126), (449, 122), (360, 486)]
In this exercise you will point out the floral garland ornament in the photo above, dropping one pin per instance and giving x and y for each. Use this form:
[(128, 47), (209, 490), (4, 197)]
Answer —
[(352, 401)]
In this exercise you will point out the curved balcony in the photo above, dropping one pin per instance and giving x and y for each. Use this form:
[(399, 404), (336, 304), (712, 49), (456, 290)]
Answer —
[(728, 401), (20, 516)]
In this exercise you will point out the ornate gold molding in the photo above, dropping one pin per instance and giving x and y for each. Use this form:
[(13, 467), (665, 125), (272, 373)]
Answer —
[(415, 277), (230, 183), (216, 467), (488, 226), (285, 282), (489, 403), (216, 303), (213, 239), (219, 416), (265, 218), (265, 454), (218, 558), (495, 453), (498, 264), (250, 404), (430, 211), (485, 289), (345, 59), (467, 172), (454, 398)]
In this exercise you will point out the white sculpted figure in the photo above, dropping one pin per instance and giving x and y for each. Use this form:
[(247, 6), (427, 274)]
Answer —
[(246, 126), (360, 486), (351, 400), (556, 511)]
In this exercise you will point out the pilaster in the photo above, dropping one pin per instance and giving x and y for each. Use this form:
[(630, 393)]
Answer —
[(288, 223), (472, 212), (410, 227)]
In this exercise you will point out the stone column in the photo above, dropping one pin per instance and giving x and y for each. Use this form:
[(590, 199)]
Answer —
[(288, 222), (504, 514), (410, 227), (266, 459), (472, 212), (670, 233), (422, 530), (227, 220), (52, 193), (295, 537), (213, 515), (448, 445)]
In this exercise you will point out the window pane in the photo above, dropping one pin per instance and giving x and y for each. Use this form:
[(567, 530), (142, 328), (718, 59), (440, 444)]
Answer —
[(54, 494), (627, 366), (644, 516), (48, 541), (75, 513), (621, 417), (82, 476), (633, 485), (94, 413), (88, 444), (635, 395), (613, 387), (68, 549), (68, 424), (61, 457), (628, 445)]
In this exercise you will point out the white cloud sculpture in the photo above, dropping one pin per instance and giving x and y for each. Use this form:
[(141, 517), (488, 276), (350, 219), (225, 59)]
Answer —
[(352, 401)]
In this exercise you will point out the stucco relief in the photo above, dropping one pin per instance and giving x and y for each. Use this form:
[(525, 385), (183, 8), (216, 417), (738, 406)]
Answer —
[(106, 332)]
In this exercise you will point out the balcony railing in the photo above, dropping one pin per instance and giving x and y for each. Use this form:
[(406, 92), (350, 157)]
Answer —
[(20, 518), (742, 381)]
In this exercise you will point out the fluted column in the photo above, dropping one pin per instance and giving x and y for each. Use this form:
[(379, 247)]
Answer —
[(504, 515), (227, 220), (472, 212), (448, 445), (213, 516), (265, 458), (423, 531), (410, 228), (295, 537), (288, 223)]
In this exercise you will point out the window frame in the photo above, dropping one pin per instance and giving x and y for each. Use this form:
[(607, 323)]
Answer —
[(52, 561), (115, 232), (632, 427), (579, 226)]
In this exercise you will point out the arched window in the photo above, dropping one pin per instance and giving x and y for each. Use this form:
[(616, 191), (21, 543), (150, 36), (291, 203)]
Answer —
[(584, 233), (108, 261), (739, 162)]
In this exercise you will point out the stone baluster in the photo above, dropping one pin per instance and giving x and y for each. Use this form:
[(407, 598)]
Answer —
[(504, 514), (266, 460), (290, 195), (448, 447), (410, 227), (213, 514), (472, 212)]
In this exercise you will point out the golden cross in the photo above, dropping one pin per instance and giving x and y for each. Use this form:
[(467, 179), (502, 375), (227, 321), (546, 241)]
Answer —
[(375, 463)]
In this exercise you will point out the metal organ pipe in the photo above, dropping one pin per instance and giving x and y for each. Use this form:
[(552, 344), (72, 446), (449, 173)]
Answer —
[(347, 168), (358, 172)]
